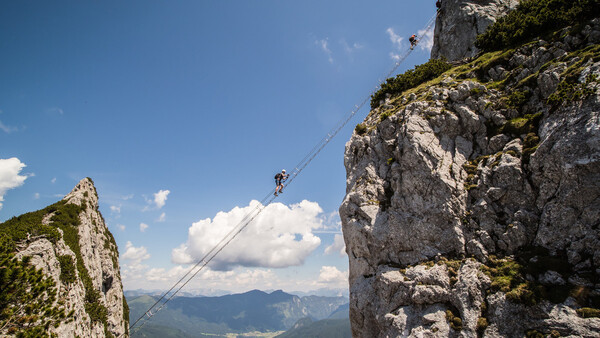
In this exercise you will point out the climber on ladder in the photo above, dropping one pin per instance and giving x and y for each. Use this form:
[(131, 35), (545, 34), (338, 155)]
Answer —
[(413, 41), (438, 4), (279, 179)]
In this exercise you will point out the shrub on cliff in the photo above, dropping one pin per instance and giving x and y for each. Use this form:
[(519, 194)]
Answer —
[(410, 79), (534, 18)]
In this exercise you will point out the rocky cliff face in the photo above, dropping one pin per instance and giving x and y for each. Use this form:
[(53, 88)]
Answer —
[(473, 201), (81, 260), (460, 21)]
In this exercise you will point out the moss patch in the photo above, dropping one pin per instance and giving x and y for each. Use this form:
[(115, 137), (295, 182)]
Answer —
[(453, 318), (587, 312)]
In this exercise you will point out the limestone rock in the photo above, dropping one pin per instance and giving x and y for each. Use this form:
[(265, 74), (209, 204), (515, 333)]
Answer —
[(450, 183), (100, 258), (460, 21)]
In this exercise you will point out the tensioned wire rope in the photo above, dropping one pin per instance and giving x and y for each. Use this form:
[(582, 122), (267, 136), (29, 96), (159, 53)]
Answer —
[(266, 201)]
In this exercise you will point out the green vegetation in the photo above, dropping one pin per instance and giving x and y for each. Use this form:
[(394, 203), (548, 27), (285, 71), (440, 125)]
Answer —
[(67, 269), (26, 295), (521, 125), (530, 145), (360, 129), (570, 91), (330, 328), (454, 319), (508, 276), (66, 217), (517, 99), (30, 225), (533, 18), (587, 312), (482, 324), (410, 79)]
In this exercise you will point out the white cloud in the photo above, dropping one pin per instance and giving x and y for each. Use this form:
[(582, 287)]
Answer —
[(162, 217), (331, 275), (395, 38), (55, 110), (323, 43), (9, 176), (280, 236), (338, 246), (53, 180), (132, 267), (7, 129), (396, 42), (425, 39), (36, 196), (115, 209), (160, 198), (143, 227), (133, 254), (121, 227), (349, 49)]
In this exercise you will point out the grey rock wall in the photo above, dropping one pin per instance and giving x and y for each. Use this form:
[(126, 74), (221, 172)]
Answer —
[(444, 183), (460, 21)]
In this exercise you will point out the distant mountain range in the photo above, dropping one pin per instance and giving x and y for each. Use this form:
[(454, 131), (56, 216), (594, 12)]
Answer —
[(253, 311)]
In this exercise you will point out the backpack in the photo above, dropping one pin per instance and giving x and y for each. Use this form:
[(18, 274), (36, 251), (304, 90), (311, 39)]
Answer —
[(278, 176)]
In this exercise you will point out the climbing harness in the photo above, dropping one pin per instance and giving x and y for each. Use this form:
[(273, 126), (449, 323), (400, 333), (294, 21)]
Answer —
[(266, 201)]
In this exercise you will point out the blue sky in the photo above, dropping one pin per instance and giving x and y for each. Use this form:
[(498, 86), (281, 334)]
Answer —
[(182, 112)]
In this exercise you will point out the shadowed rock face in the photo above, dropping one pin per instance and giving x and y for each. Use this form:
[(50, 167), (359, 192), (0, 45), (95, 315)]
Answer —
[(460, 21), (456, 187)]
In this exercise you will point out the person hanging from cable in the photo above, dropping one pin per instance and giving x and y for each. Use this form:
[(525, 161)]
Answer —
[(413, 41), (279, 179)]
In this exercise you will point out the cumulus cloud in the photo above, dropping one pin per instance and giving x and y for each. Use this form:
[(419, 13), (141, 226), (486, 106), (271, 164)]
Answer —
[(160, 198), (121, 227), (115, 209), (338, 246), (9, 176), (280, 236), (162, 217), (133, 254), (331, 275), (132, 267), (36, 196), (143, 227)]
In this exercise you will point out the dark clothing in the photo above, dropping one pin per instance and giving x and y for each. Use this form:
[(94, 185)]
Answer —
[(438, 4), (279, 178)]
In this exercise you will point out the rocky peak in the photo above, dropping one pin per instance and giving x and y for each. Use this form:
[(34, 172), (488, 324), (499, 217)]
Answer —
[(84, 190), (78, 257), (460, 21)]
